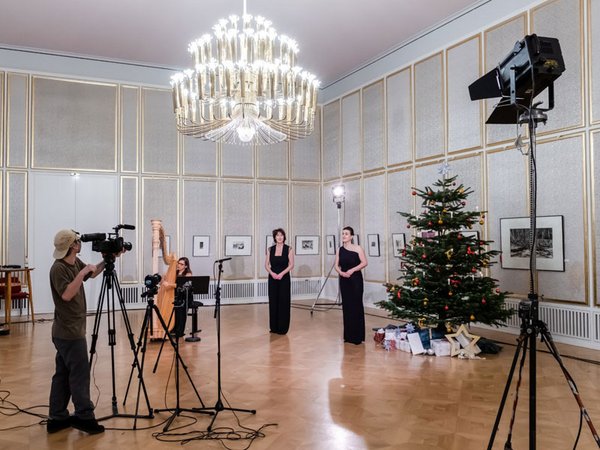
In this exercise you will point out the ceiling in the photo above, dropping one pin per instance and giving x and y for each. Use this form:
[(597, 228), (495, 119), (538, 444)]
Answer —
[(336, 37)]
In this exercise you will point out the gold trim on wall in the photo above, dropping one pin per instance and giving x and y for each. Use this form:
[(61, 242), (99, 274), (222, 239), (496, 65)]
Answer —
[(27, 119), (595, 298), (411, 108), (339, 140), (523, 16), (2, 220), (383, 112), (137, 232), (480, 103), (3, 110), (142, 118), (444, 148), (138, 105), (358, 94), (585, 258), (34, 78), (532, 12)]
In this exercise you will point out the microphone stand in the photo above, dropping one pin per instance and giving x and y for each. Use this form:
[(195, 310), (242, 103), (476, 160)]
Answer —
[(217, 315)]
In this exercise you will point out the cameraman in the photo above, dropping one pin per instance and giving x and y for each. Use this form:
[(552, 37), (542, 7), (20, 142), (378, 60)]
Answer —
[(71, 379)]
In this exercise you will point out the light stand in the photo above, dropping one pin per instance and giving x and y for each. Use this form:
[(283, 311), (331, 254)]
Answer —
[(531, 67), (110, 287), (219, 404), (339, 197)]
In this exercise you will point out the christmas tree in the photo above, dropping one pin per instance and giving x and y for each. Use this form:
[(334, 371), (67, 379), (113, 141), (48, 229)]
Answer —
[(444, 282)]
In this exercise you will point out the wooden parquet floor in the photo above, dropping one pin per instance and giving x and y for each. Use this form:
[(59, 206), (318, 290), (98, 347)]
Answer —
[(321, 393)]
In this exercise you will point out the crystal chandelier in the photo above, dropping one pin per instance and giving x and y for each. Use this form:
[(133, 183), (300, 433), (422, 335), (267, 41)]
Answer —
[(245, 87)]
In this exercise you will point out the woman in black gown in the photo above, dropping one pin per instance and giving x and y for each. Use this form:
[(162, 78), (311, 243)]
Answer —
[(183, 297), (279, 262), (349, 261)]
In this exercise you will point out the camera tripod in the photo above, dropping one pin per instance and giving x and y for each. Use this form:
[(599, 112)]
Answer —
[(531, 326), (219, 404), (110, 288), (141, 346)]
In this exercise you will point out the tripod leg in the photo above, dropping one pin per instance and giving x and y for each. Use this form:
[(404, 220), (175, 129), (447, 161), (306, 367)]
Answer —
[(547, 338), (164, 339), (179, 360), (520, 343), (141, 383), (97, 322)]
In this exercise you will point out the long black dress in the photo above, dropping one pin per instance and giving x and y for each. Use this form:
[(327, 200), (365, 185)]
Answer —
[(279, 292), (352, 298)]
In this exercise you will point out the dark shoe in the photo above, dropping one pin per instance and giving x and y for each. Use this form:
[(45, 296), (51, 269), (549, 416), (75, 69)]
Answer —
[(90, 426), (54, 425)]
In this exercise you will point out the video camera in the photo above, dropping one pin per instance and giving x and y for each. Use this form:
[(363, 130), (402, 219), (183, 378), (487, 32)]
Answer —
[(112, 244), (151, 282)]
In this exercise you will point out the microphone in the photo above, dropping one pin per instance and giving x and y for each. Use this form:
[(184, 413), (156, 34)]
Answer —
[(222, 260), (126, 227)]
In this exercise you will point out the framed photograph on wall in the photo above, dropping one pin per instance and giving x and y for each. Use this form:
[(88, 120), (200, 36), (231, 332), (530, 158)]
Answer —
[(330, 240), (201, 246), (398, 244), (373, 243), (269, 242), (238, 245), (307, 245), (514, 243)]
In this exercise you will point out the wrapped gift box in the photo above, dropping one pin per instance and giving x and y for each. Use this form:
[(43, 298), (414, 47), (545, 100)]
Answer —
[(441, 347), (404, 346)]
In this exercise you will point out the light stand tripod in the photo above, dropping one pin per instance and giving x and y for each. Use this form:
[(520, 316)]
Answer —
[(219, 404), (110, 287), (338, 198), (531, 325)]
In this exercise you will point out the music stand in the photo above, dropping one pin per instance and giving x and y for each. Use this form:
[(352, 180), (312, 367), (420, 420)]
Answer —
[(193, 286)]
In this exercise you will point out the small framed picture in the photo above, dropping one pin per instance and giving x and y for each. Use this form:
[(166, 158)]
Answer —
[(373, 243), (330, 239), (201, 246), (238, 245), (307, 245), (269, 242), (515, 246), (398, 244)]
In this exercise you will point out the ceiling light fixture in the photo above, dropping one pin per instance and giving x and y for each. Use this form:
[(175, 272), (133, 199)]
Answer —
[(245, 87)]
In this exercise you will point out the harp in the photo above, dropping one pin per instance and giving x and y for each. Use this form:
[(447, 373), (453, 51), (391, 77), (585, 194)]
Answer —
[(166, 293)]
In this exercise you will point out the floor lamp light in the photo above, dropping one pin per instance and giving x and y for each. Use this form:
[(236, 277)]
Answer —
[(338, 192)]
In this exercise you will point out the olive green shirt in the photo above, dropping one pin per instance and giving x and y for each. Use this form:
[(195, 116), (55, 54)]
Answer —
[(69, 317)]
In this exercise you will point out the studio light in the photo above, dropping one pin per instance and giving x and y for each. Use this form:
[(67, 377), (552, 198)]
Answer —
[(245, 86), (532, 66), (339, 194)]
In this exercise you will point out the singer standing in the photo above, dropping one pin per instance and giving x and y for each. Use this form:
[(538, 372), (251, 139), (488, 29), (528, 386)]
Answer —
[(71, 379), (279, 262), (349, 261)]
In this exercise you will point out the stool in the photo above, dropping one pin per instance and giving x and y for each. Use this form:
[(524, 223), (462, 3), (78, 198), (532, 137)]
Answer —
[(193, 311)]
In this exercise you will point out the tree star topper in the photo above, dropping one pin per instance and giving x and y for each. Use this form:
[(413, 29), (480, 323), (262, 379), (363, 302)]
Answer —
[(444, 169)]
